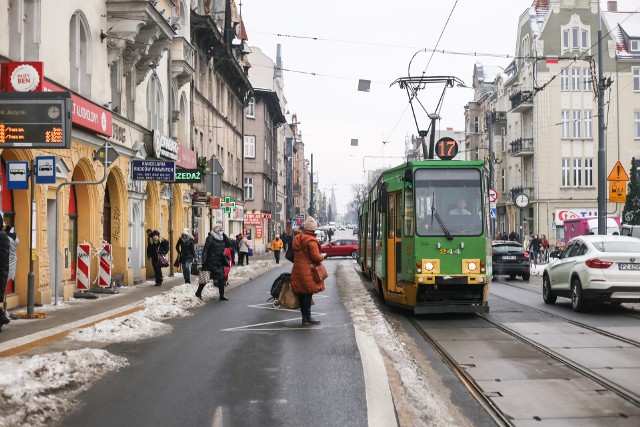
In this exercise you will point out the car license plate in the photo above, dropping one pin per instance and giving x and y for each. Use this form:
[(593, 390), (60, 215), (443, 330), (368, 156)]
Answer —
[(627, 266), (508, 257)]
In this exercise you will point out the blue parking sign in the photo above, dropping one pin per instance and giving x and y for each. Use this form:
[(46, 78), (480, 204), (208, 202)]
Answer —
[(17, 175)]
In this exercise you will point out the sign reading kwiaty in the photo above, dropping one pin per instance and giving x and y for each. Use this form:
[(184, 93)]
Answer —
[(143, 170)]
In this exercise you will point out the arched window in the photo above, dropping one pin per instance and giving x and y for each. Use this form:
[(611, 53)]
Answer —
[(155, 101), (24, 30), (80, 54)]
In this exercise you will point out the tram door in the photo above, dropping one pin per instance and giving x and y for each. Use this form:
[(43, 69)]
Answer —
[(394, 242)]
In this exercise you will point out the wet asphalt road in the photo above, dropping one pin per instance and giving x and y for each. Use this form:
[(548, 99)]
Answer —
[(237, 363)]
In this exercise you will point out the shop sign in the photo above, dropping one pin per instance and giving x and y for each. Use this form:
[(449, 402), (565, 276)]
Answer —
[(238, 213), (84, 113), (253, 219), (215, 203), (187, 158), (163, 146), (45, 170), (144, 170), (35, 120), (570, 213), (227, 205), (200, 197), (21, 76), (258, 232), (188, 175)]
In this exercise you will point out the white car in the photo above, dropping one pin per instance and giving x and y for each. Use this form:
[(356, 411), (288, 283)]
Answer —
[(594, 268)]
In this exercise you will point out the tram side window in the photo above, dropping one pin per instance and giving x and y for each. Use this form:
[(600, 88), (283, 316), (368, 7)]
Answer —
[(391, 215), (408, 212)]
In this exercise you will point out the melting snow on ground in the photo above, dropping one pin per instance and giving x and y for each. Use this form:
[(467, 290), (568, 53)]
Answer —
[(122, 329), (36, 390), (428, 406)]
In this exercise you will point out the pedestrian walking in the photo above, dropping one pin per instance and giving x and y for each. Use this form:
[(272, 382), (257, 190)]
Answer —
[(186, 254), (234, 250), (214, 261), (534, 248), (276, 247), (544, 243), (5, 251), (13, 254), (156, 253), (306, 255), (243, 249)]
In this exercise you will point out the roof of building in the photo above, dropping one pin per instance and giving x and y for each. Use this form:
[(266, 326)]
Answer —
[(629, 22)]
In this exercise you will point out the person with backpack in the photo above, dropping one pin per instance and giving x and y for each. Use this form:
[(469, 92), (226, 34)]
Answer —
[(156, 253), (307, 254), (276, 247), (214, 261), (186, 254)]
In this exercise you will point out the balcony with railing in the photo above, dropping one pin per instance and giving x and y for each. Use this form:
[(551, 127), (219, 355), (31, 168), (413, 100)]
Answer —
[(522, 147), (521, 101), (182, 60)]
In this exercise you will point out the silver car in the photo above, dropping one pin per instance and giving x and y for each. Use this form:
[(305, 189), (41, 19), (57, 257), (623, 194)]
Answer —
[(594, 268)]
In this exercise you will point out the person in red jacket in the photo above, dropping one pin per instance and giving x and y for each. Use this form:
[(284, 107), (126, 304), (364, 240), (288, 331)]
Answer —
[(306, 254)]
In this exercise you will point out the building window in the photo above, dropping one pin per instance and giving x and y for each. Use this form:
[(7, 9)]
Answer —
[(248, 188), (155, 101), (565, 124), (251, 108), (636, 124), (588, 172), (575, 79), (636, 79), (80, 54), (586, 78), (566, 167), (249, 147), (565, 39), (588, 124), (575, 38), (577, 124), (635, 45), (24, 30), (564, 80), (476, 124), (503, 180), (577, 172), (585, 39)]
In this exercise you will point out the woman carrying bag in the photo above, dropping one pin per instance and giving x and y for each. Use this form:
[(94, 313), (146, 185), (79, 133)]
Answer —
[(214, 261), (186, 254), (308, 273)]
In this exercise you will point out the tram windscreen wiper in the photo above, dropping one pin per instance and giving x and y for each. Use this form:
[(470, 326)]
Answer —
[(436, 215)]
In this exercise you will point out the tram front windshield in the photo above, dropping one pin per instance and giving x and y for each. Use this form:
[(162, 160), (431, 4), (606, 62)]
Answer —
[(451, 195)]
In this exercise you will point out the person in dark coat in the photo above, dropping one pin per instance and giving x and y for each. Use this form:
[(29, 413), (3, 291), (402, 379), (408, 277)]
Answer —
[(534, 248), (214, 261), (306, 254), (186, 254), (234, 250), (5, 249), (157, 247)]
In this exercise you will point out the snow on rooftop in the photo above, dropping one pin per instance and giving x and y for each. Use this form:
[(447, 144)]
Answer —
[(629, 22)]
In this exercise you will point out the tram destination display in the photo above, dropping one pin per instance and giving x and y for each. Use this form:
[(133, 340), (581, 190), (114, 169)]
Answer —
[(35, 120)]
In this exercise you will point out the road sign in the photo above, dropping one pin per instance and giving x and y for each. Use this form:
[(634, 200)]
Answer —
[(617, 191), (618, 173), (112, 154), (494, 213), (143, 170), (45, 170), (493, 195), (17, 175)]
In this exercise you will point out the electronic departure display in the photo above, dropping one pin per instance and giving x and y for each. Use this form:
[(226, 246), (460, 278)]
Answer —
[(35, 120)]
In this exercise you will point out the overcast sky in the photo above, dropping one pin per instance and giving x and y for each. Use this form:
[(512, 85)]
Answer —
[(374, 40)]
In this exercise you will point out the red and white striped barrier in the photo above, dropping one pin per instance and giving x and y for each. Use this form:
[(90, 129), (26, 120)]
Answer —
[(83, 267), (104, 272)]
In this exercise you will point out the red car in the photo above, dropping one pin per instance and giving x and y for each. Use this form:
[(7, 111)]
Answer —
[(341, 247)]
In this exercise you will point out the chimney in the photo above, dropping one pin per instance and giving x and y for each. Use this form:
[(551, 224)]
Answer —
[(612, 6), (278, 71)]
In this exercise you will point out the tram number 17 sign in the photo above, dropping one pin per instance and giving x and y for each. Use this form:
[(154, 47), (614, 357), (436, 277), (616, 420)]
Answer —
[(446, 148)]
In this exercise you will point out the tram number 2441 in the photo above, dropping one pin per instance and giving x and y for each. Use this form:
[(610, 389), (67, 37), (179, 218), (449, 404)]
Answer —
[(450, 251)]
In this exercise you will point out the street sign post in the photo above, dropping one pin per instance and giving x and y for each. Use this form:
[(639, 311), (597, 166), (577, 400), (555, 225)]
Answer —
[(45, 170), (617, 191), (17, 175), (618, 173), (493, 195)]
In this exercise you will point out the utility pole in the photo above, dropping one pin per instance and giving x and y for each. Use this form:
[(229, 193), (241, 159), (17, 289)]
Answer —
[(602, 153), (492, 222)]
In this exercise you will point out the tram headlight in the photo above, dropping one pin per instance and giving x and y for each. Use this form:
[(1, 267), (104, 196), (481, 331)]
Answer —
[(472, 266), (428, 266)]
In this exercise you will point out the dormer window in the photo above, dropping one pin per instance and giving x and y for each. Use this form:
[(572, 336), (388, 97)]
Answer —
[(635, 46)]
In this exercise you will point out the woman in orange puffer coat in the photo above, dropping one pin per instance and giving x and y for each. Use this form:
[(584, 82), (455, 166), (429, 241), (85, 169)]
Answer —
[(306, 250)]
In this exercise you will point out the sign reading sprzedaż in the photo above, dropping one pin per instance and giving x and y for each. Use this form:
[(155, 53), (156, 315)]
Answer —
[(35, 120), (143, 170), (188, 175)]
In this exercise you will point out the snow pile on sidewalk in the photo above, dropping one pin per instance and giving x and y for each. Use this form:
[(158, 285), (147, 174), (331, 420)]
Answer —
[(175, 302), (252, 270), (122, 329), (536, 270), (37, 390), (423, 397)]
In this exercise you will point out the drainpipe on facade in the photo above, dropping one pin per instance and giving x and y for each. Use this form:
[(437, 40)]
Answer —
[(171, 187)]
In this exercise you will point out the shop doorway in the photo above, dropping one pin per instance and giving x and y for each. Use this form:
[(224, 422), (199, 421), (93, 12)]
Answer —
[(137, 246), (51, 247)]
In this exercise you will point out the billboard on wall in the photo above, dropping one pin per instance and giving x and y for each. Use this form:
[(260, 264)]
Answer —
[(570, 213)]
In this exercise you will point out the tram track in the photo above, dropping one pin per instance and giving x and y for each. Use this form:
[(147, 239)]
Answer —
[(469, 383)]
